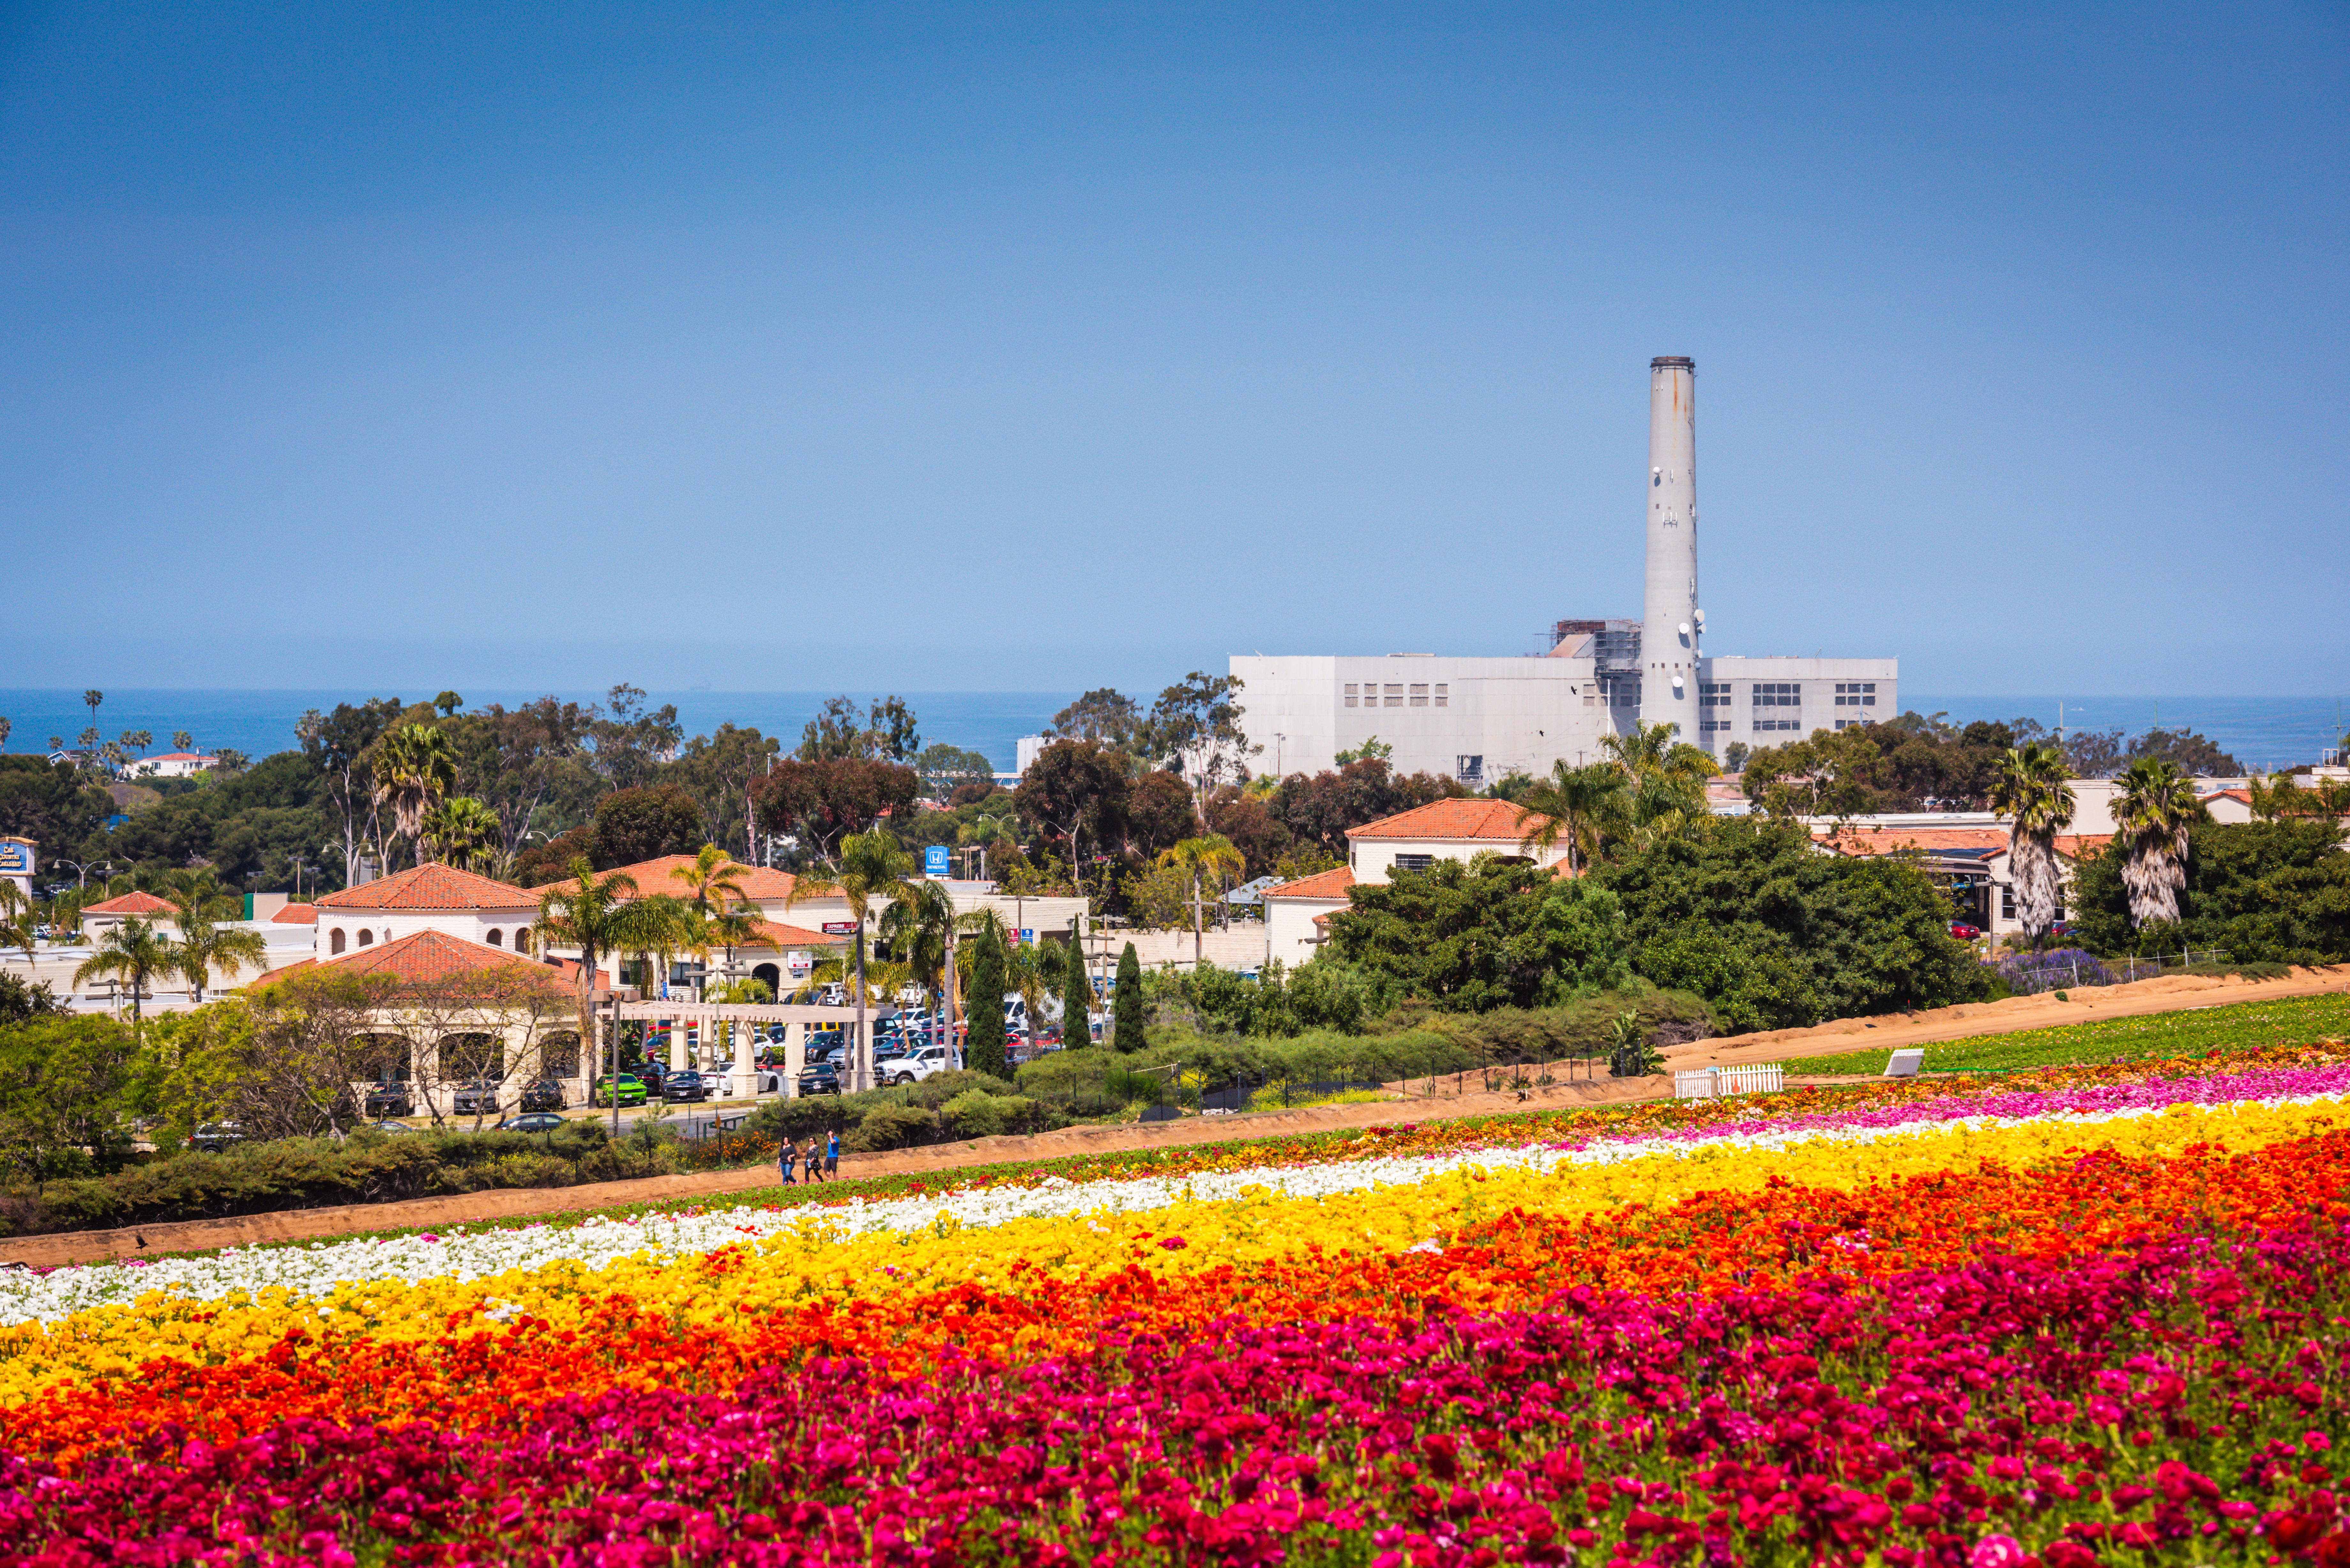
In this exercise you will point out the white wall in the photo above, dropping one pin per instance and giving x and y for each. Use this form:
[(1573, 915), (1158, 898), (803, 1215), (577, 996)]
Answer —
[(391, 925), (1289, 926)]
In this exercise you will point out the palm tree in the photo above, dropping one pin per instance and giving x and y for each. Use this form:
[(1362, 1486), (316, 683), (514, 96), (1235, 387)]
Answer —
[(463, 832), (16, 920), (2151, 815), (205, 947), (1664, 779), (1574, 803), (919, 930), (873, 869), (2028, 787), (181, 741), (728, 914), (415, 769), (134, 952), (600, 917), (1209, 855)]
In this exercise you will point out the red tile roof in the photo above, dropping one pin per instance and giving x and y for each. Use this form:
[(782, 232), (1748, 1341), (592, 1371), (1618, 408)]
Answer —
[(761, 883), (431, 887), (131, 903), (2242, 796), (296, 915), (433, 955), (1893, 840), (1454, 819), (1330, 884), (2072, 845)]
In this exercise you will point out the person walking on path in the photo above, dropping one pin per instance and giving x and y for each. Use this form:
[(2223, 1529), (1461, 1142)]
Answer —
[(788, 1159), (815, 1160), (832, 1156)]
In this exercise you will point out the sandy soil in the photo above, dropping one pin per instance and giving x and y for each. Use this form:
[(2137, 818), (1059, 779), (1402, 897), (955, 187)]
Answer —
[(2007, 1017)]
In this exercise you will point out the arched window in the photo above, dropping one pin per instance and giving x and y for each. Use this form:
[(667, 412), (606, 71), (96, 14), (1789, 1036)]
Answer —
[(335, 941), (497, 937), (367, 939)]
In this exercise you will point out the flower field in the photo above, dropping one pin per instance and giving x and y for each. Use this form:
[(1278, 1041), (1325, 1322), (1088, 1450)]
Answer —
[(2087, 1315)]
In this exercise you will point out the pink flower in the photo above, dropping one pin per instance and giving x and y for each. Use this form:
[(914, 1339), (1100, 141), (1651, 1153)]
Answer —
[(1173, 1243), (1996, 1552)]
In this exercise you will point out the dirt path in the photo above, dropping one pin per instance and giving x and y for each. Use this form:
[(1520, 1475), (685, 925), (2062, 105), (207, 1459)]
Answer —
[(2011, 1017), (2173, 993)]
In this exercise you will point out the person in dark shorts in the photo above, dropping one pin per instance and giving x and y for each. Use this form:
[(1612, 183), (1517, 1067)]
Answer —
[(787, 1160), (832, 1155)]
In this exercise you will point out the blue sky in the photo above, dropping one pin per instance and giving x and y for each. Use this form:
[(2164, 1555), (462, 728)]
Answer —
[(1049, 346)]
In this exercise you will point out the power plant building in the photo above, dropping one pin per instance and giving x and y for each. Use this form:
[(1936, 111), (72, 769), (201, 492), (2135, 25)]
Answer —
[(1479, 719)]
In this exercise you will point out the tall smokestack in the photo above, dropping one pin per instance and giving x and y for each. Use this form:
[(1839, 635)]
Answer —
[(1670, 622)]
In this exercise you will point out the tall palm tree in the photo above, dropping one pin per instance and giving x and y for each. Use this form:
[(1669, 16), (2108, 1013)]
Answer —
[(1209, 856), (2028, 787), (466, 832), (1574, 803), (2151, 815), (873, 869), (16, 920), (919, 928), (1664, 779), (727, 914), (204, 946), (600, 917), (415, 769), (133, 953)]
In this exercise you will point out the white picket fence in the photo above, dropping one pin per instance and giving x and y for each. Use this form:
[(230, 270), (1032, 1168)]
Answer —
[(1713, 1082)]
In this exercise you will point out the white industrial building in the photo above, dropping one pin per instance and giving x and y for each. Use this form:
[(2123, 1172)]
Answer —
[(1478, 719)]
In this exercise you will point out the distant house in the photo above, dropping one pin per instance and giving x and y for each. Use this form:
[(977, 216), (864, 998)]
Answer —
[(171, 766), (1970, 859), (1298, 914), (97, 920)]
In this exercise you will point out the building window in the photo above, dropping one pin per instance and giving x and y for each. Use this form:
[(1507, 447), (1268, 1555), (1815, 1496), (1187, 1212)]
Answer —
[(335, 941), (1778, 694), (497, 937), (1394, 696), (1440, 689), (1713, 694), (1778, 725), (1353, 696), (1708, 726), (1470, 768), (367, 939), (1855, 694), (1420, 696), (1414, 862)]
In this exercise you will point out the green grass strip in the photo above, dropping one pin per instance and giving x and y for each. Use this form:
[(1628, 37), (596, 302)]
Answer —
[(2189, 1033)]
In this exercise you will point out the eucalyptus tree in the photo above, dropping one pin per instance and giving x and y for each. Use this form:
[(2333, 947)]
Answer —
[(2152, 813), (2029, 788)]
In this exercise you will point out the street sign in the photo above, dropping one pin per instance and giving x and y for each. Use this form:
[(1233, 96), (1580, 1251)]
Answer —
[(841, 927), (934, 860), (1028, 936)]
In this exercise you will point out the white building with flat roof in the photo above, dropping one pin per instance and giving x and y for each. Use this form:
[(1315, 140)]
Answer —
[(1479, 719)]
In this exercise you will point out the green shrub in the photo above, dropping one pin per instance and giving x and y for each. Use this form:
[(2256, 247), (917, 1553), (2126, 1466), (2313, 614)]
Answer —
[(975, 1113), (892, 1127)]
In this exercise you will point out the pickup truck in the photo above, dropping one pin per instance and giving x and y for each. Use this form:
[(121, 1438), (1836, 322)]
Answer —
[(914, 1066)]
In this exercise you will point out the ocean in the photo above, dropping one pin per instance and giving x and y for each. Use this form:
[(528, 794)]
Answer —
[(2260, 731)]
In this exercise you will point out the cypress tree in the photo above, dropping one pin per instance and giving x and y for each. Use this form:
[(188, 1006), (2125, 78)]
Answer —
[(1076, 991), (984, 1005), (1129, 1026)]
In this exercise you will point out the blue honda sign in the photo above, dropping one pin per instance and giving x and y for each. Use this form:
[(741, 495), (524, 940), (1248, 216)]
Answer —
[(934, 860)]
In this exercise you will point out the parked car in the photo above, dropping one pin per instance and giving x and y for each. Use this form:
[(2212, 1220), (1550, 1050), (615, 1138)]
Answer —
[(547, 1095), (631, 1091), (913, 1067), (214, 1136), (685, 1084), (533, 1121), (820, 1079), (388, 1126), (389, 1100), (477, 1098), (1963, 932)]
